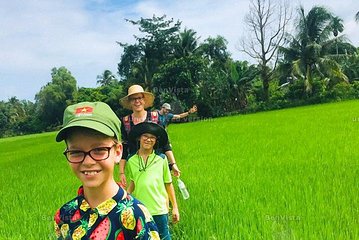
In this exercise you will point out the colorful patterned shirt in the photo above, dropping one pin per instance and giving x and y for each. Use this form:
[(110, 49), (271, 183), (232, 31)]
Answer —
[(120, 217)]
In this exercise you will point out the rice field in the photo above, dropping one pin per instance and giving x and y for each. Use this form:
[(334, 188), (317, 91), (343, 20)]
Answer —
[(287, 174)]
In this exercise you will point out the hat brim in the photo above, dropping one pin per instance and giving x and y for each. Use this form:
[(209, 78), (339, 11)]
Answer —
[(91, 124), (149, 98), (149, 127)]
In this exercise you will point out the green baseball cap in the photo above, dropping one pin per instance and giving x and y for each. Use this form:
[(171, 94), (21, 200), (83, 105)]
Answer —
[(94, 115)]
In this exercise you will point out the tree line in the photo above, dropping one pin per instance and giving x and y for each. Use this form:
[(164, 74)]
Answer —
[(312, 64)]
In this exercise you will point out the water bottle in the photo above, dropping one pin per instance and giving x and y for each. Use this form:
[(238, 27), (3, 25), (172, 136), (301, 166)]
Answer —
[(183, 189)]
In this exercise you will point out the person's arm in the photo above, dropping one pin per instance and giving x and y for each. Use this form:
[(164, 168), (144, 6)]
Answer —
[(122, 172), (123, 161), (131, 187), (185, 114), (172, 162), (172, 196), (124, 138)]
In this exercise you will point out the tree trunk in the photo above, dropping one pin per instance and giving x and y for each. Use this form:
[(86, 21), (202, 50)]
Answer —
[(308, 81), (265, 82)]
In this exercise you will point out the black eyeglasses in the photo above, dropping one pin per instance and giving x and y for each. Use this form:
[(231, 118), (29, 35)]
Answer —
[(133, 99), (146, 137), (97, 154)]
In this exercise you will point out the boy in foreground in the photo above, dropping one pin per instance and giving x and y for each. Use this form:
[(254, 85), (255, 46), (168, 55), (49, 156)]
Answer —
[(102, 209), (151, 180)]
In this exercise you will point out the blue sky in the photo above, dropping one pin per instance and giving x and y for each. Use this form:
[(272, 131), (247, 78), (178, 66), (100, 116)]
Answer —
[(37, 35)]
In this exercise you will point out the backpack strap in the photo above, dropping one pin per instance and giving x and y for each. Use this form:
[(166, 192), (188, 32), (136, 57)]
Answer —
[(154, 117), (127, 123)]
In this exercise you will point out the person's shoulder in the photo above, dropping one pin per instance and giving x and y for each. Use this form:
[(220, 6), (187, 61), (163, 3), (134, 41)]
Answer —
[(125, 118), (131, 157), (161, 156)]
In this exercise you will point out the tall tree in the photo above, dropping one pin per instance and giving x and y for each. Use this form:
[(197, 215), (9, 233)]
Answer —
[(53, 98), (178, 79), (267, 22), (214, 94), (241, 80), (215, 50), (187, 43), (309, 54), (141, 60), (337, 27), (350, 65), (17, 117), (106, 78)]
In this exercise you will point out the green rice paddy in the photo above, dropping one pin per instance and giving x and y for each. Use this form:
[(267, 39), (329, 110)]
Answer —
[(287, 174)]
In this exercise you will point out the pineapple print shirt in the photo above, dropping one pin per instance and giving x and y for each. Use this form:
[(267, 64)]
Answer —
[(120, 217)]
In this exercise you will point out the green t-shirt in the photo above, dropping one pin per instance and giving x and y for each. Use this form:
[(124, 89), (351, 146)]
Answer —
[(149, 180)]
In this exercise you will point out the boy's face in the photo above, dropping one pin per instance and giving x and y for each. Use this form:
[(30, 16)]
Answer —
[(93, 174), (147, 141), (137, 102)]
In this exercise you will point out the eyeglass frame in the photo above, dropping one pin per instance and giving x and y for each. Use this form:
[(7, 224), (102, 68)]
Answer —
[(88, 153), (134, 99), (145, 138)]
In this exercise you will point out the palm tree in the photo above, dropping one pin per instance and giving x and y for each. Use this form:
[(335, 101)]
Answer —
[(187, 44), (106, 78), (337, 26), (308, 53)]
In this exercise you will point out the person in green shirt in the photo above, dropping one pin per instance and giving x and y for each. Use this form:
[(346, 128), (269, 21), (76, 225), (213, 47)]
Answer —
[(151, 180)]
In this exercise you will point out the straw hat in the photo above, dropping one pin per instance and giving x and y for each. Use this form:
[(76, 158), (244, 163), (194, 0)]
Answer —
[(125, 101)]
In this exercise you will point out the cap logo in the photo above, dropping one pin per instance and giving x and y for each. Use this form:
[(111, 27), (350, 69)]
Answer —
[(83, 111)]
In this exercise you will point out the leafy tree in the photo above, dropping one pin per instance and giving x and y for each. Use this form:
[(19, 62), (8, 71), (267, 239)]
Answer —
[(215, 50), (214, 90), (187, 43), (16, 117), (309, 52), (109, 93), (106, 78), (53, 98), (4, 122), (89, 95), (350, 65), (241, 78), (140, 61), (213, 93), (178, 79), (267, 23), (337, 27)]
